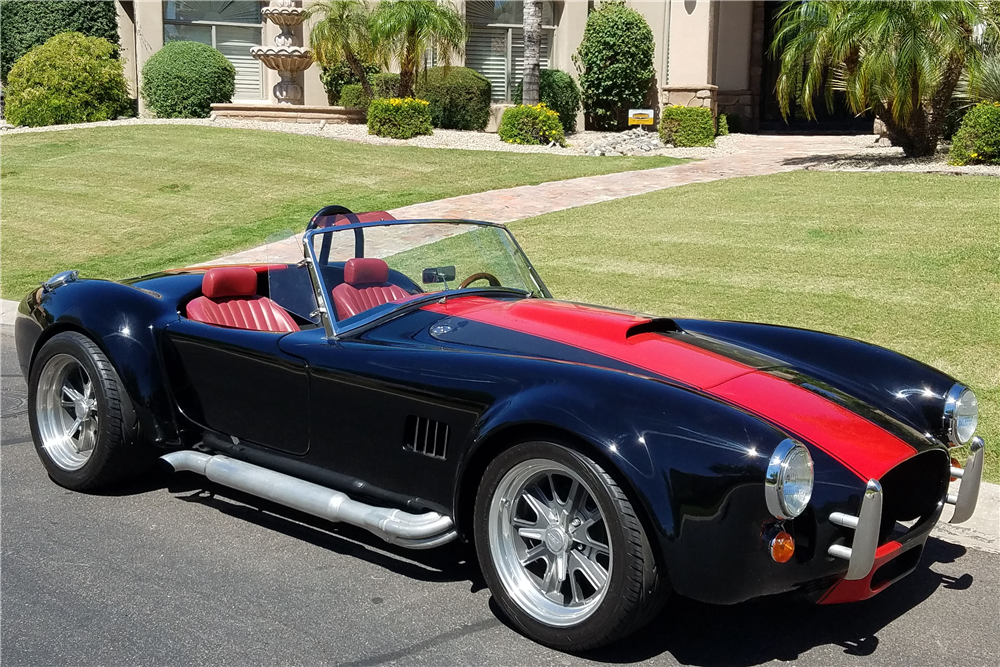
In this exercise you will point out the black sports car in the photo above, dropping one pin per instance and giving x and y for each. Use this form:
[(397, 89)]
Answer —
[(416, 378)]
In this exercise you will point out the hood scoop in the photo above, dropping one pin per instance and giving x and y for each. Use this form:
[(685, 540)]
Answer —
[(656, 325)]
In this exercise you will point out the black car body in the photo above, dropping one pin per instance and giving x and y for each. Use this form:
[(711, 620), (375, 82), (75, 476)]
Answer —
[(411, 406)]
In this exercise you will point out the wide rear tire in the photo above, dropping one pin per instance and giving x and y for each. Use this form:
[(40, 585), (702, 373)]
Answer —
[(562, 549), (82, 421)]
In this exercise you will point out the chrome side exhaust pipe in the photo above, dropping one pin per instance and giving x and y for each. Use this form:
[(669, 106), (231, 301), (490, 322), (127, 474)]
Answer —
[(413, 531)]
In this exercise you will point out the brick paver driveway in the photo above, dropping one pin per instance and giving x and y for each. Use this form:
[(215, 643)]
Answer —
[(756, 155)]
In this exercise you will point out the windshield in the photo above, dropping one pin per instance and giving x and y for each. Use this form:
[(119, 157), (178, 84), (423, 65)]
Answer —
[(372, 268)]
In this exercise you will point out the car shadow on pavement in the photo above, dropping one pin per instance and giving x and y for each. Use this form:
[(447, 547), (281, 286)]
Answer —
[(782, 627), (694, 633), (452, 562)]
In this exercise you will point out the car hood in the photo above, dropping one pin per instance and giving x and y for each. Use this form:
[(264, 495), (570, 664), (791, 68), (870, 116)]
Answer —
[(864, 439)]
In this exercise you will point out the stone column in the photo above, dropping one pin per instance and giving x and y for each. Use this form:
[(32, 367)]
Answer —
[(693, 32)]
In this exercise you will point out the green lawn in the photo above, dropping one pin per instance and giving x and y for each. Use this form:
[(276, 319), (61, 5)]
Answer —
[(118, 202), (908, 261)]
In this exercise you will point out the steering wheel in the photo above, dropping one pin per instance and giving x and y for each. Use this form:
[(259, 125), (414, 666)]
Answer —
[(493, 280)]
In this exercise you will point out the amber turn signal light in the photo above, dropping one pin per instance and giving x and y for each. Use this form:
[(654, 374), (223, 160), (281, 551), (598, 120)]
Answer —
[(782, 547)]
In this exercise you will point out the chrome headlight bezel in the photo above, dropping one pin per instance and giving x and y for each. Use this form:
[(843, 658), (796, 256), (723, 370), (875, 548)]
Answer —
[(787, 451), (956, 397)]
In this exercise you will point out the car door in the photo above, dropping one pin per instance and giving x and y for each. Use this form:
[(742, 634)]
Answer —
[(387, 415), (239, 383)]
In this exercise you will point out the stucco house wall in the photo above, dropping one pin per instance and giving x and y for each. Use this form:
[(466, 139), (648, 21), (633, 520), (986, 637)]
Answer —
[(708, 52)]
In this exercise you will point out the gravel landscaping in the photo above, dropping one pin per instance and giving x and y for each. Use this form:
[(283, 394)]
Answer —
[(861, 153)]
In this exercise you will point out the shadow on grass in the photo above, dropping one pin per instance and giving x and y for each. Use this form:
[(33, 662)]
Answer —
[(867, 162)]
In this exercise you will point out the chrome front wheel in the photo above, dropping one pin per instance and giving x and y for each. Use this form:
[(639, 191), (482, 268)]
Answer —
[(548, 538), (562, 548), (66, 411)]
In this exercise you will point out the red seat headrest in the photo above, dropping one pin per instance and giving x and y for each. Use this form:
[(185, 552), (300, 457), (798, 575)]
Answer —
[(229, 281), (360, 271)]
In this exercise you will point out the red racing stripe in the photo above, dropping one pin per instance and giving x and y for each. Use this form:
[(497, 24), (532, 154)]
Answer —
[(866, 449)]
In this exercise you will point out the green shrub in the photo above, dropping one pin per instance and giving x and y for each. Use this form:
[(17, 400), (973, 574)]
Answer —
[(385, 84), (71, 78), (559, 91), (459, 97), (687, 126), (531, 125), (24, 25), (184, 79), (722, 125), (335, 78), (616, 59), (978, 139), (353, 96), (399, 118)]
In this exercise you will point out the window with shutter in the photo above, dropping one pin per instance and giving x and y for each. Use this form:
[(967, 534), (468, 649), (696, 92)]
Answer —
[(232, 27), (496, 43)]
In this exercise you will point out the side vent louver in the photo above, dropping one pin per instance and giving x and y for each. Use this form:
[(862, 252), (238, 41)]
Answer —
[(426, 436)]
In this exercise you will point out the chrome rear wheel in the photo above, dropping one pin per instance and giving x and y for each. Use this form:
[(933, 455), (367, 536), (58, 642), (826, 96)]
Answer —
[(82, 421), (66, 410)]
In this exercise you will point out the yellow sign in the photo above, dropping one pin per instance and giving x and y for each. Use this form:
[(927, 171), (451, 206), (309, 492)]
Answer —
[(640, 116)]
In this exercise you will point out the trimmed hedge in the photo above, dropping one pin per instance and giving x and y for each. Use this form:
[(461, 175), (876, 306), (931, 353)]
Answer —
[(977, 140), (531, 125), (353, 96), (385, 84), (687, 126), (184, 79), (722, 123), (616, 58), (560, 92), (24, 25), (335, 78), (399, 118), (459, 97), (71, 78)]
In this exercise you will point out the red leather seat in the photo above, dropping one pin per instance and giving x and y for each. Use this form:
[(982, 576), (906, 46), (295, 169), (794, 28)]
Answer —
[(230, 300), (366, 285)]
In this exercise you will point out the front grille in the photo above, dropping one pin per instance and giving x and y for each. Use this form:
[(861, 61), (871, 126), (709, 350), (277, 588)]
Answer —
[(426, 436), (912, 493)]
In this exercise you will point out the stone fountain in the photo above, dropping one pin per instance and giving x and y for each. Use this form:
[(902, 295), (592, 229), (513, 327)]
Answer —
[(288, 60), (285, 57)]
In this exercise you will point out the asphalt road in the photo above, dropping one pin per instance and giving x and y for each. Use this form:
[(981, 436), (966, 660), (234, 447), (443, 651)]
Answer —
[(179, 572)]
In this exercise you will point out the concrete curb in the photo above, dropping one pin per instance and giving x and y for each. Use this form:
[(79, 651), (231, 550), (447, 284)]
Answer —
[(982, 531), (8, 311)]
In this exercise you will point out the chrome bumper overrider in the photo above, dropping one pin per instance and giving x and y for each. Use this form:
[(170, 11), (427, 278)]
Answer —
[(861, 554), (971, 476)]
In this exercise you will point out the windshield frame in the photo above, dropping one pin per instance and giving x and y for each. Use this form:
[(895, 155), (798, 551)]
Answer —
[(337, 330)]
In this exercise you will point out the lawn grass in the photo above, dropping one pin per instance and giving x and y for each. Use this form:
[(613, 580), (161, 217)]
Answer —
[(115, 202), (907, 261)]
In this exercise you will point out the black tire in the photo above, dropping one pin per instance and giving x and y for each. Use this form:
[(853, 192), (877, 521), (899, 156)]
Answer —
[(635, 588), (117, 453)]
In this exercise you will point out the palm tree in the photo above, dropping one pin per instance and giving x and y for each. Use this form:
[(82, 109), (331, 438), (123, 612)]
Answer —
[(342, 36), (901, 59), (532, 50), (406, 29)]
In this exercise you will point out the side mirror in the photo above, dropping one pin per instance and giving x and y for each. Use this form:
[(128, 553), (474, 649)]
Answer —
[(439, 274)]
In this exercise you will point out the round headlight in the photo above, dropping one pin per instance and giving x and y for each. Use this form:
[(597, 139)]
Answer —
[(961, 414), (789, 482)]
